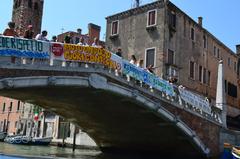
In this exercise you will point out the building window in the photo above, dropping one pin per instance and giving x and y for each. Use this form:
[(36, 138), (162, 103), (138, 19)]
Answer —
[(10, 107), (232, 90), (8, 125), (16, 123), (192, 69), (192, 34), (19, 3), (36, 6), (218, 53), (204, 75), (204, 41), (29, 3), (200, 73), (235, 66), (229, 62), (152, 18), (114, 28), (150, 57), (215, 51), (209, 78), (170, 57), (15, 4), (18, 106), (4, 107), (225, 86), (172, 19)]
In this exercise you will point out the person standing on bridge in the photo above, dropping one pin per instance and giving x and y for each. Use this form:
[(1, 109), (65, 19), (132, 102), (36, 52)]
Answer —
[(28, 34), (82, 42), (42, 36), (119, 52), (10, 31)]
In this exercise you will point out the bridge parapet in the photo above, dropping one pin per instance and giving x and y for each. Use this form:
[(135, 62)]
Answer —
[(19, 53)]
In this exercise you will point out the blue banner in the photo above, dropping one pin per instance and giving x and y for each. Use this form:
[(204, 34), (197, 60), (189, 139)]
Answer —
[(10, 46), (148, 78)]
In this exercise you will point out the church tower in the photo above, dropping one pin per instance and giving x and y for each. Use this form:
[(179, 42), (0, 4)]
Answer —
[(28, 12)]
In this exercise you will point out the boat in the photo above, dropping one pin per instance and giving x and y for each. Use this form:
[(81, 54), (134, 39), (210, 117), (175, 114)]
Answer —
[(236, 152), (227, 151), (2, 136), (18, 139), (41, 140)]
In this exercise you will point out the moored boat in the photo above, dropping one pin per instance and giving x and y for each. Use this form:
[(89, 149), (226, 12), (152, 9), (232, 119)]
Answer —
[(2, 136), (16, 139), (41, 141), (236, 152)]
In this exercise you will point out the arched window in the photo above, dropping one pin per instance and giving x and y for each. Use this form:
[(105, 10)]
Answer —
[(36, 6), (29, 3), (15, 3), (19, 3)]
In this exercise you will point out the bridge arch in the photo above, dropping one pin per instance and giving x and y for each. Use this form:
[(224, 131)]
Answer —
[(135, 113)]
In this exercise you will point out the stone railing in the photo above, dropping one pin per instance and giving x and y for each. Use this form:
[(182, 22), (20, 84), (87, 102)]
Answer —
[(22, 52)]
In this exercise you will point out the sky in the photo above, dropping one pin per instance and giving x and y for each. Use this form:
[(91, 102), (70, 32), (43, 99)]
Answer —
[(220, 17)]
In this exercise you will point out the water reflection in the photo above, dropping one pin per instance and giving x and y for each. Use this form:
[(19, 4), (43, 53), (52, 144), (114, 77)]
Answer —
[(53, 152)]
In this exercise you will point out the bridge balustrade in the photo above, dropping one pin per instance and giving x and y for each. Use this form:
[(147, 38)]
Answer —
[(19, 51)]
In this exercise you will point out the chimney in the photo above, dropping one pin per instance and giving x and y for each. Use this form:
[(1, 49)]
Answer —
[(238, 50), (79, 31), (93, 32), (200, 19), (137, 3)]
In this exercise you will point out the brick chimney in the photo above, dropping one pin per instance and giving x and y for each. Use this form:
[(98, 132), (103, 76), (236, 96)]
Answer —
[(200, 21), (93, 32), (79, 31)]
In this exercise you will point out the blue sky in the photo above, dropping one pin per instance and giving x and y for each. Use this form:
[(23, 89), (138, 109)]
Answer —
[(220, 17)]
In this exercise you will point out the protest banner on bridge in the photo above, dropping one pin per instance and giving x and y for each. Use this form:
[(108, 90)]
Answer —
[(88, 54), (10, 46), (148, 78), (195, 100)]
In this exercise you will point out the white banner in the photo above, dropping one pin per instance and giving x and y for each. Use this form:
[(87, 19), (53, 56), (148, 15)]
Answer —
[(195, 100)]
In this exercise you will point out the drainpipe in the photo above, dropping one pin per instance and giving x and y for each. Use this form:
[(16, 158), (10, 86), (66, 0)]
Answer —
[(220, 95)]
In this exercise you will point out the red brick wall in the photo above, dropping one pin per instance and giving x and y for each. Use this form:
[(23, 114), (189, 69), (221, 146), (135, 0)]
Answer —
[(14, 114)]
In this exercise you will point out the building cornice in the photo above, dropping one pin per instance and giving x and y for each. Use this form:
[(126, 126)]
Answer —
[(138, 10)]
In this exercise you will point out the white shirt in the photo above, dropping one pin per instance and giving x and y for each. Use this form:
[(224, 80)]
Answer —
[(40, 37)]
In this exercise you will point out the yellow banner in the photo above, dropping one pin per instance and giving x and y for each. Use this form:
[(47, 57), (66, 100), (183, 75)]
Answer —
[(88, 54)]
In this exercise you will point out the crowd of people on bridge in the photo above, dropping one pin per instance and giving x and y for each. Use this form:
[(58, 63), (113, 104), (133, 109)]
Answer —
[(29, 34)]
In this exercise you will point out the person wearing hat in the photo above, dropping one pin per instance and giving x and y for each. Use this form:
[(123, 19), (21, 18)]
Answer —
[(28, 34)]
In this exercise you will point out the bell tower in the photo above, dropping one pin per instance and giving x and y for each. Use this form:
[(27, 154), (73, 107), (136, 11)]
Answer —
[(28, 12)]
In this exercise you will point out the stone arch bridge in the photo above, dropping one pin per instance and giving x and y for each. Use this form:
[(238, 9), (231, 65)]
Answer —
[(121, 116)]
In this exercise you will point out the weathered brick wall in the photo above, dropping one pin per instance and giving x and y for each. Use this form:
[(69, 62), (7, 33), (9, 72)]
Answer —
[(24, 15), (208, 132)]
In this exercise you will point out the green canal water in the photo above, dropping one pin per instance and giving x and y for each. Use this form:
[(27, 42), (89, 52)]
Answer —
[(9, 151)]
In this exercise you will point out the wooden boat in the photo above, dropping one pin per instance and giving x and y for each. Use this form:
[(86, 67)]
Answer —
[(2, 136), (41, 141)]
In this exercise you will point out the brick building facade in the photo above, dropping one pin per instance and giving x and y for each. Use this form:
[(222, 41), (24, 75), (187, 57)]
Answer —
[(10, 113), (163, 35), (26, 12)]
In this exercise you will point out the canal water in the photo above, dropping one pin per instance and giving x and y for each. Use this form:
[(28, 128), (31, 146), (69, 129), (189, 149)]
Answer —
[(9, 151)]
